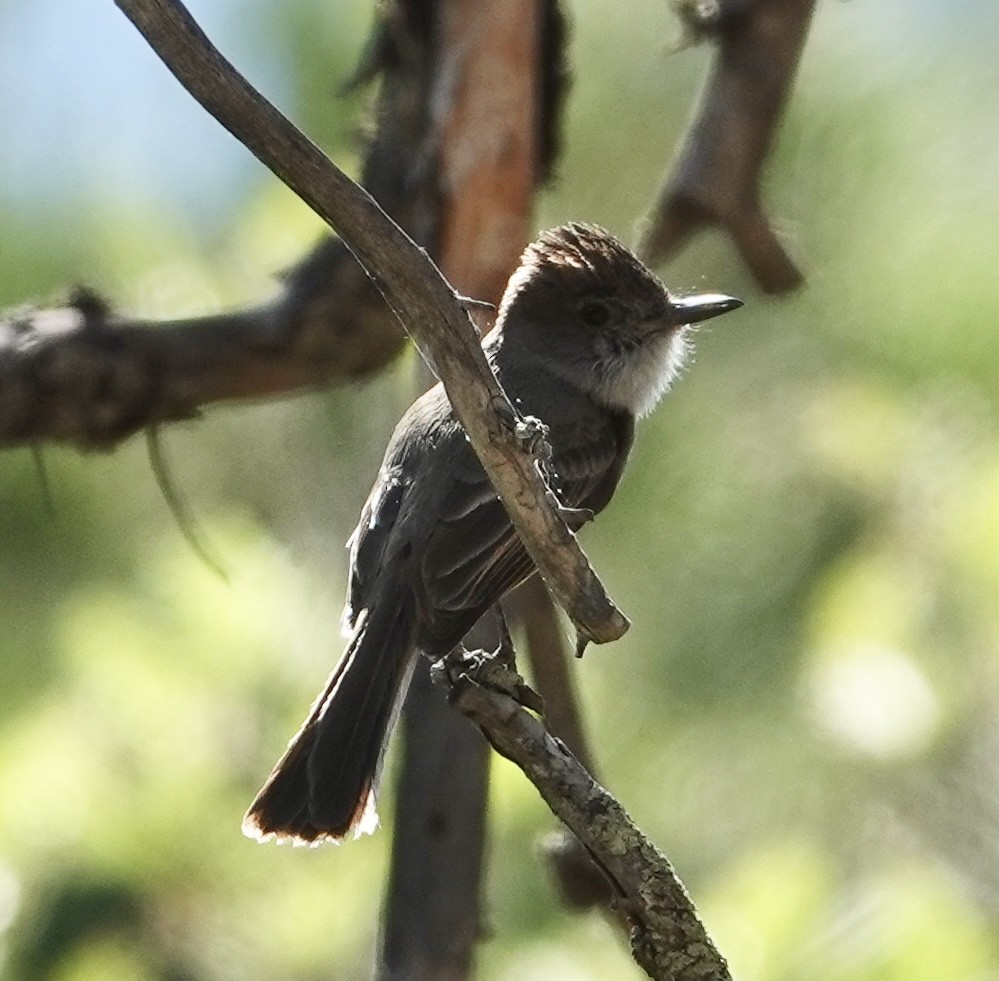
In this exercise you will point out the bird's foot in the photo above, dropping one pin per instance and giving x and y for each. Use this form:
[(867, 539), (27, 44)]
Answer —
[(488, 669)]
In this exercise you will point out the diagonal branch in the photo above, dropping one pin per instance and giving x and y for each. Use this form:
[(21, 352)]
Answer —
[(668, 939), (415, 291), (580, 883)]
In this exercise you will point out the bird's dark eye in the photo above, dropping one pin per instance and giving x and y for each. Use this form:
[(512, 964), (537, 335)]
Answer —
[(594, 313)]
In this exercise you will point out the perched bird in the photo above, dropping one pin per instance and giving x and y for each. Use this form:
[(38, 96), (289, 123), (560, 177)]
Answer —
[(587, 339)]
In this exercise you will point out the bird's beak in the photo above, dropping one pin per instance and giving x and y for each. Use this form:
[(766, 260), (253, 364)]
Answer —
[(701, 306)]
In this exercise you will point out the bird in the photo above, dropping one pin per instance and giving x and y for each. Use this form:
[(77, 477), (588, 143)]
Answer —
[(587, 339)]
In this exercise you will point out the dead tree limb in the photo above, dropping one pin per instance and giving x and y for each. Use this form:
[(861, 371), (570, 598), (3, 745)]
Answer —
[(580, 883), (715, 180), (668, 939), (85, 374), (81, 375)]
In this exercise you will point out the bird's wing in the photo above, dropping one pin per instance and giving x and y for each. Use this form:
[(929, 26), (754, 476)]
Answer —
[(369, 540), (474, 556), (590, 453)]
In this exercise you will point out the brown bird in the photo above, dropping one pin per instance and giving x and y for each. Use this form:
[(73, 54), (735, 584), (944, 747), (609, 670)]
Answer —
[(587, 339)]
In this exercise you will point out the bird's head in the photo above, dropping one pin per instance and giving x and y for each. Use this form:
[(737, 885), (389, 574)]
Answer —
[(602, 319)]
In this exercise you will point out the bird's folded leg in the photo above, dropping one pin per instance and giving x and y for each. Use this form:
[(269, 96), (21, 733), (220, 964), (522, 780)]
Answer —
[(574, 518)]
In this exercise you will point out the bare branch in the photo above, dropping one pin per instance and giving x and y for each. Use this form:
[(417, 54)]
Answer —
[(413, 288), (715, 180), (668, 939), (580, 883), (81, 375)]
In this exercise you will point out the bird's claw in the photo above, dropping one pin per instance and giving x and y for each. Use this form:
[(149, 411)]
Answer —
[(488, 669)]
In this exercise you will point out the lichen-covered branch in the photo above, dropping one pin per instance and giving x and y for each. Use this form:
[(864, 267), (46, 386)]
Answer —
[(667, 937), (580, 883)]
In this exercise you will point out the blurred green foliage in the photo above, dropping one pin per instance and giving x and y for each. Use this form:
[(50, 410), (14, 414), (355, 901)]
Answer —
[(805, 714)]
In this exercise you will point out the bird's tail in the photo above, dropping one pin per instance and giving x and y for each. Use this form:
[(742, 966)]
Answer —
[(324, 786)]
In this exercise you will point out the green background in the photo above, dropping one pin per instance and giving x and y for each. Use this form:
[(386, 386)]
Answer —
[(805, 714)]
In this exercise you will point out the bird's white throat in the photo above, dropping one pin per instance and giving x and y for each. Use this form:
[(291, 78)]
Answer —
[(636, 378)]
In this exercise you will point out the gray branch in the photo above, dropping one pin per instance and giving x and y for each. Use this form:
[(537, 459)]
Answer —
[(668, 939), (415, 291)]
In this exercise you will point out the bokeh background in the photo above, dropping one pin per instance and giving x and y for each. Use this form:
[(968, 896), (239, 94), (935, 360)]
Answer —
[(805, 714)]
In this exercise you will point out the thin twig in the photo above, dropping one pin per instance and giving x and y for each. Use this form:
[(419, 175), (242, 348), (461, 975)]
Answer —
[(182, 514)]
